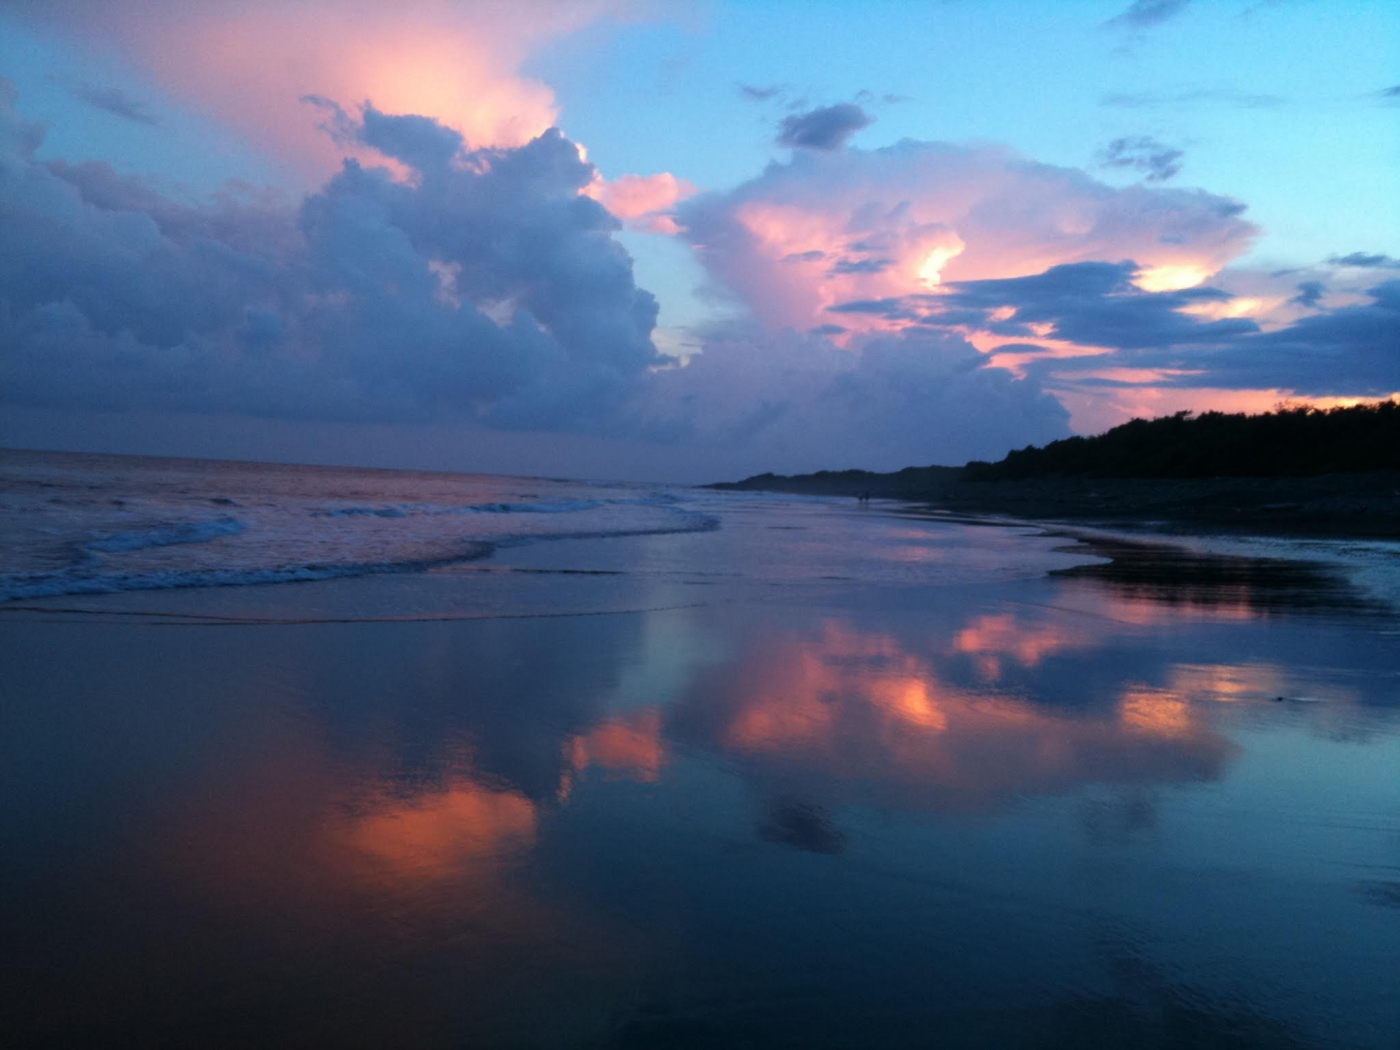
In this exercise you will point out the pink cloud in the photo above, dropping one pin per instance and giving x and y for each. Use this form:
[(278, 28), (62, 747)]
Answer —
[(829, 228), (644, 202), (248, 63)]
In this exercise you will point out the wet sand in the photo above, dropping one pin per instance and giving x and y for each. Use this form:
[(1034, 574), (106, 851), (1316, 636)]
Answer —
[(1336, 505), (825, 776)]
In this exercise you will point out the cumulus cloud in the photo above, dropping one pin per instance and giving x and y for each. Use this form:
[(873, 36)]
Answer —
[(248, 62), (788, 401), (1142, 153), (827, 128), (644, 202), (116, 102), (1143, 14), (486, 288), (1060, 284), (832, 228)]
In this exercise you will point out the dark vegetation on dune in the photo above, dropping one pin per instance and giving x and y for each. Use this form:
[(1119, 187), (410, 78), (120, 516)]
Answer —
[(1294, 470), (1290, 442)]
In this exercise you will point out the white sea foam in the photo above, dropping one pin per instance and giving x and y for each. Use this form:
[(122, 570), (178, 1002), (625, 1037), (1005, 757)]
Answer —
[(90, 525)]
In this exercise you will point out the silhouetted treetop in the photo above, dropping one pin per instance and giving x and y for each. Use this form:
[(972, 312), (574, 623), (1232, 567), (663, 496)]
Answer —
[(1288, 442)]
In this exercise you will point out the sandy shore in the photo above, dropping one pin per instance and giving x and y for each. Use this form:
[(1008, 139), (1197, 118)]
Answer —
[(1339, 505)]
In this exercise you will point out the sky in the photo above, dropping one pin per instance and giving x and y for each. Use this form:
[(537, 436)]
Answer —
[(668, 241)]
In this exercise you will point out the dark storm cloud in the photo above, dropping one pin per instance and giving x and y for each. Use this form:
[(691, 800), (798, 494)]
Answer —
[(1094, 304), (827, 128), (1142, 153), (1352, 350), (487, 289), (1143, 14), (116, 102)]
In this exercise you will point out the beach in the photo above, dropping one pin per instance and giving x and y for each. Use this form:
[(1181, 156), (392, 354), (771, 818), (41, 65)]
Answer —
[(302, 756)]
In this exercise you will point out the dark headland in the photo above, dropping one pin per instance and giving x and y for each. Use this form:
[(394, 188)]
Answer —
[(1294, 471)]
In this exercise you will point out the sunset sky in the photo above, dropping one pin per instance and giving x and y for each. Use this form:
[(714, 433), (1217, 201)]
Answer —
[(685, 241)]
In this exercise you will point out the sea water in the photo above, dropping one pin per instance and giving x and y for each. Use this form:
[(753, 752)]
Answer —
[(311, 756)]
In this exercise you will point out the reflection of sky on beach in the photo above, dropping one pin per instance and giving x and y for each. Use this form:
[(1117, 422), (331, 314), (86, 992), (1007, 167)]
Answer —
[(982, 802)]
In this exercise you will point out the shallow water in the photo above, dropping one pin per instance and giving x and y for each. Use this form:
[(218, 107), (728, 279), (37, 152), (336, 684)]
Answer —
[(817, 776)]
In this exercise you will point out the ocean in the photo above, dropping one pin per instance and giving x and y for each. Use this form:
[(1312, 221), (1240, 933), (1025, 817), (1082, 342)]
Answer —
[(307, 756)]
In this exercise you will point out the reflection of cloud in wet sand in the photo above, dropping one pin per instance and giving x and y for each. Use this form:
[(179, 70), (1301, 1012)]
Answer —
[(629, 747), (991, 638), (857, 708), (318, 871), (446, 832)]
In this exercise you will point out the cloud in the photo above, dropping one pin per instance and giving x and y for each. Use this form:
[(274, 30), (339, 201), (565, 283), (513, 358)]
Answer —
[(644, 202), (754, 93), (1142, 153), (1366, 260), (485, 289), (1309, 293), (1093, 304), (833, 228), (1217, 96), (1185, 338), (1144, 14), (116, 102), (249, 62), (1353, 351), (782, 400), (1390, 94), (827, 128)]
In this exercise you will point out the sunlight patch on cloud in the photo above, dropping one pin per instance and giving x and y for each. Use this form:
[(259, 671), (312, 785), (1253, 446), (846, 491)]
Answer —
[(247, 63), (1172, 278)]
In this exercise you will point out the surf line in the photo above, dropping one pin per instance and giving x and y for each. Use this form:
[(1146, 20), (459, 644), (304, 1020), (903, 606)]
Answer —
[(169, 619)]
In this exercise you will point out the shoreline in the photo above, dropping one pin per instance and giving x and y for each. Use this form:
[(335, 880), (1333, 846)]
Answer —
[(1335, 506)]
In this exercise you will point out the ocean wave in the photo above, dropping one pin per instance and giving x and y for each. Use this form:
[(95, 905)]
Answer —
[(92, 579), (17, 586), (568, 506), (164, 535), (358, 512), (405, 510)]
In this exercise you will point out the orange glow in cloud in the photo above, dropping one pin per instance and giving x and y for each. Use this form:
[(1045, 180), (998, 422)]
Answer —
[(249, 62), (931, 270), (883, 224)]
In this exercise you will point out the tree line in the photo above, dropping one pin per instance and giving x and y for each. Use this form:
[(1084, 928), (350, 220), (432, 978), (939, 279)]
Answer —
[(1288, 442)]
